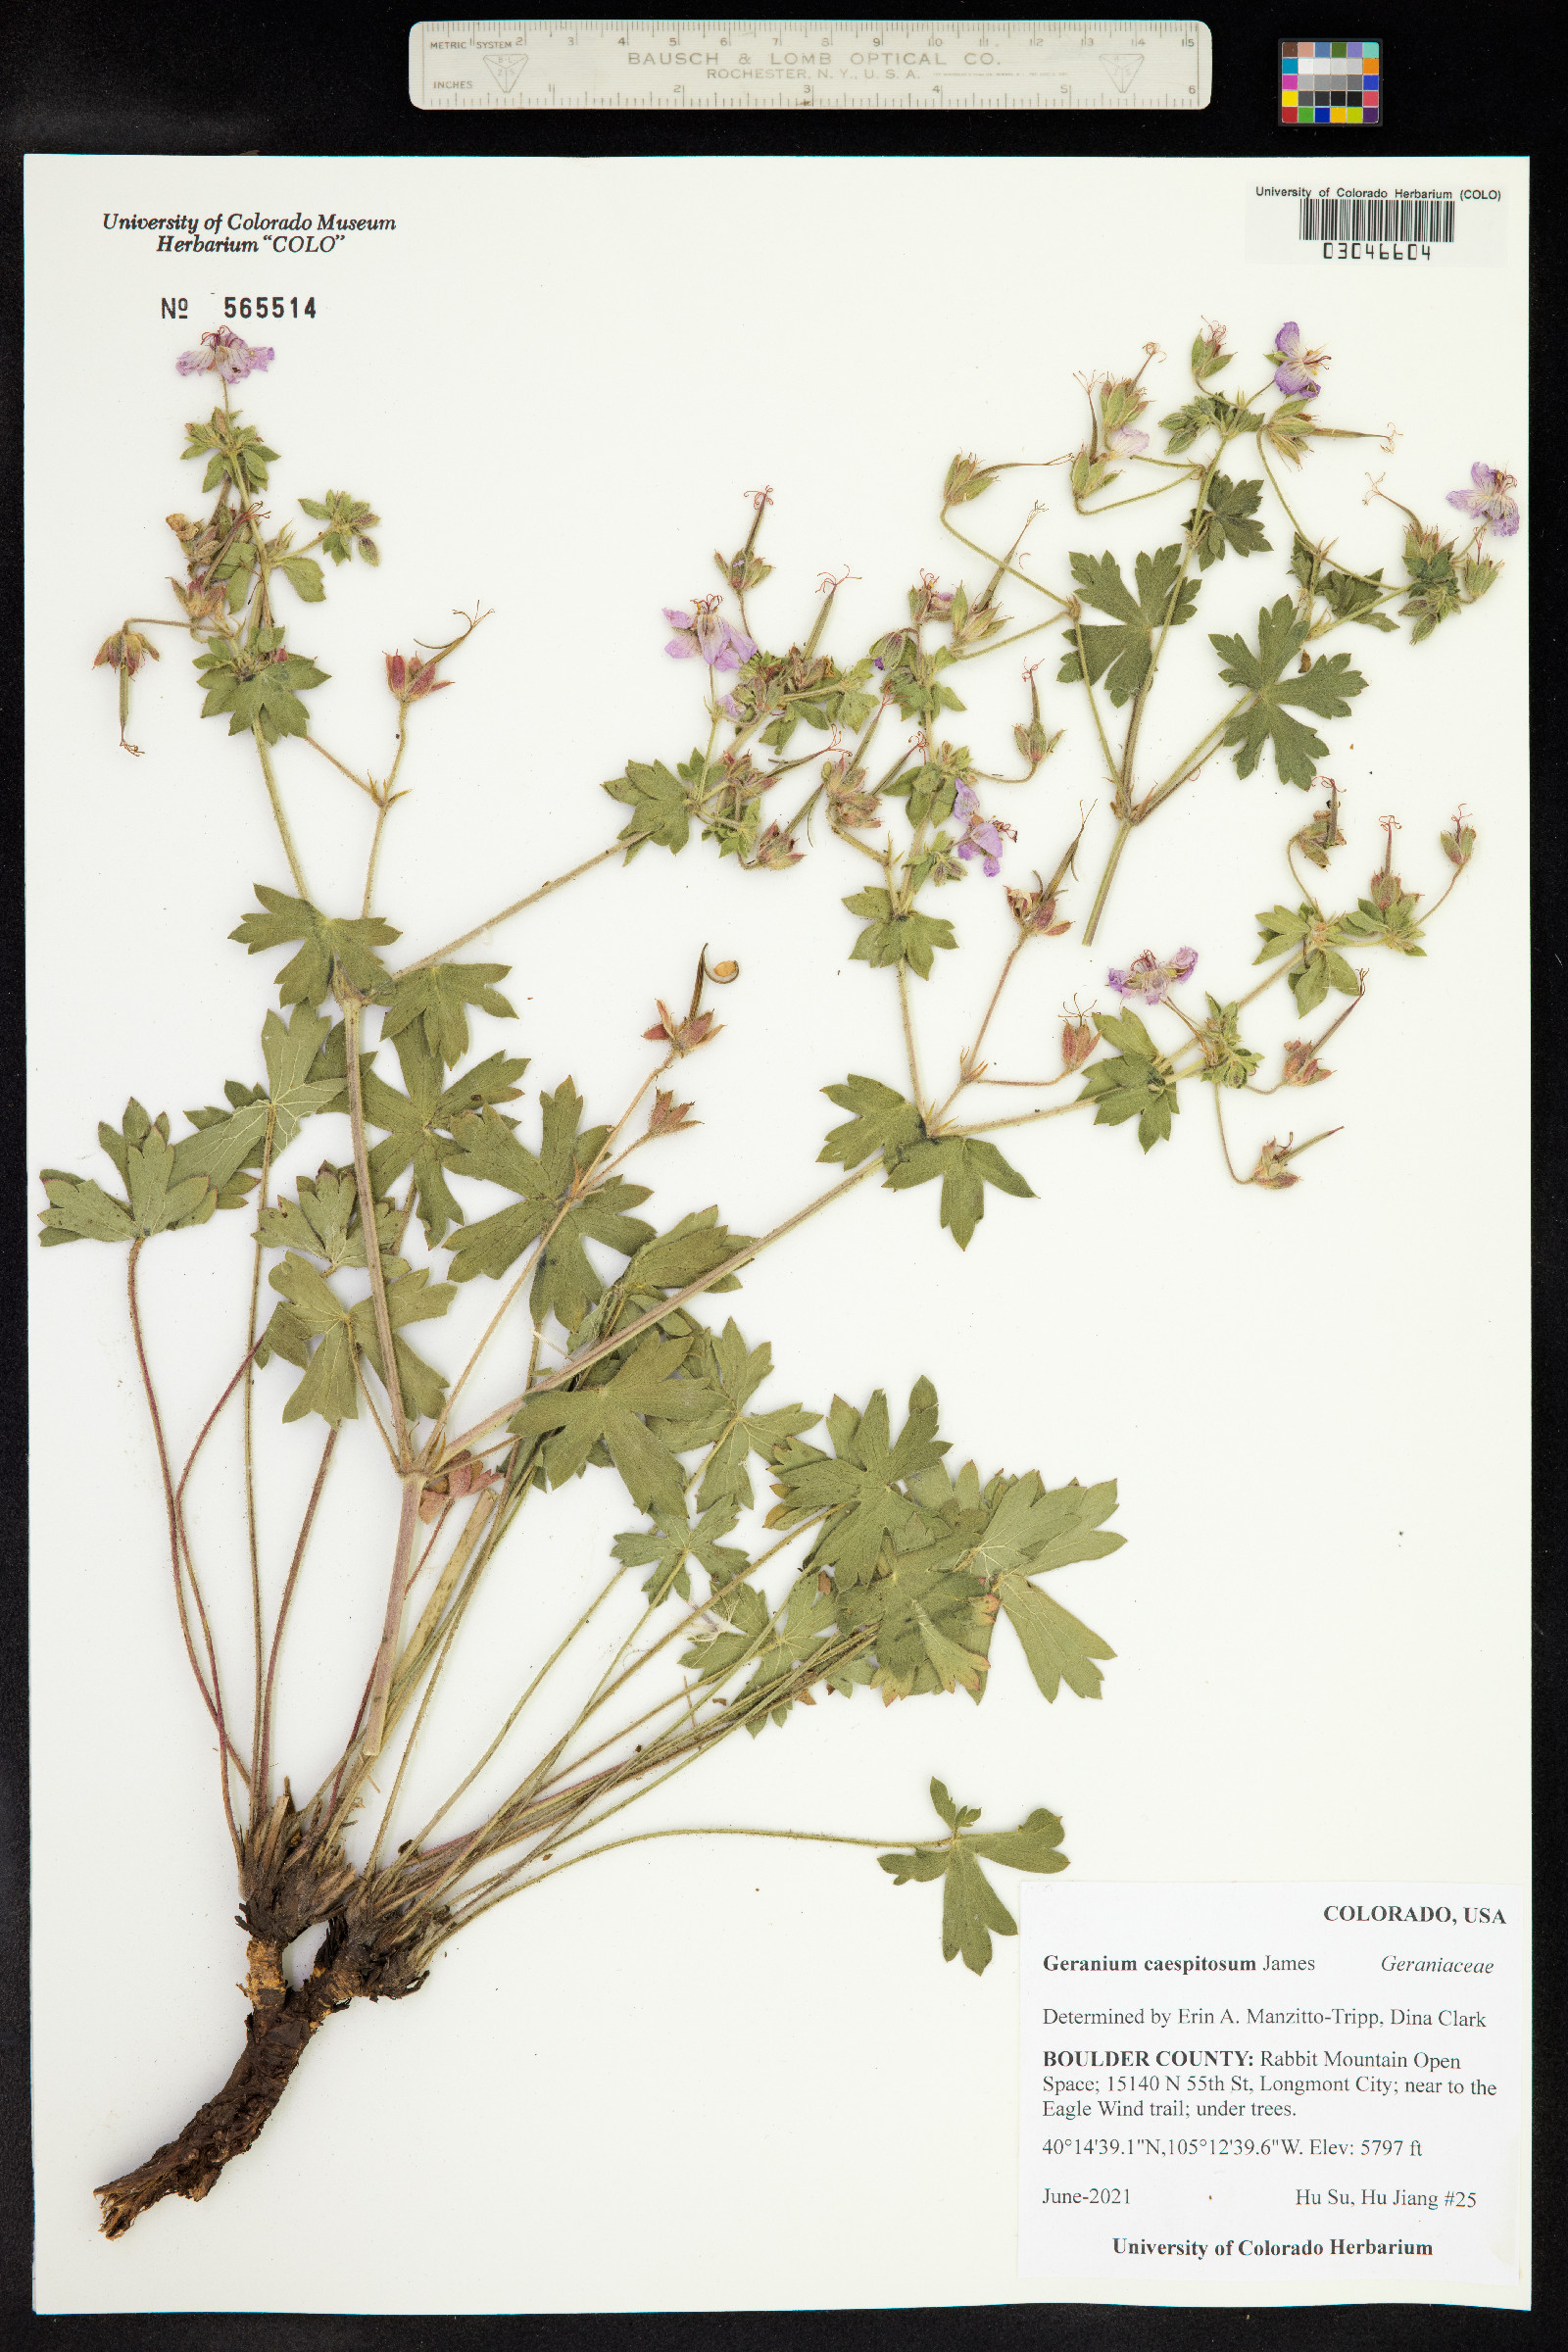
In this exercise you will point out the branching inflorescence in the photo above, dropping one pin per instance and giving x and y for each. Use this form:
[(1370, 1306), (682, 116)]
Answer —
[(878, 1564)]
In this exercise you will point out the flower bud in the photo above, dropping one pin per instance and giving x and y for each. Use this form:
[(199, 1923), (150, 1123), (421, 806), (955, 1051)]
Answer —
[(412, 678), (1302, 1065), (776, 850)]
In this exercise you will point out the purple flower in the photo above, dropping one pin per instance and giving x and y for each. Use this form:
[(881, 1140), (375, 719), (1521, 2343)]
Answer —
[(1294, 375), (705, 633), (1489, 501), (1126, 441), (983, 837), (223, 352), (1146, 977)]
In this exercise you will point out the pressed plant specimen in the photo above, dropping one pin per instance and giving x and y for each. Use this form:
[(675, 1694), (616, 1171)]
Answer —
[(781, 1552)]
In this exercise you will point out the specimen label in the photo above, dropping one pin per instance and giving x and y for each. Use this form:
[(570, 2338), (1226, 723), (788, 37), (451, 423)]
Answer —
[(1121, 64), (1295, 2084), (1410, 214)]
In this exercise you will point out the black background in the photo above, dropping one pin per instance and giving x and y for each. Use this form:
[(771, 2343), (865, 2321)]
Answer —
[(226, 78)]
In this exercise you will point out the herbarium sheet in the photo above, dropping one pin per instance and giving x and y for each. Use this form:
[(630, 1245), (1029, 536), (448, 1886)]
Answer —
[(998, 663)]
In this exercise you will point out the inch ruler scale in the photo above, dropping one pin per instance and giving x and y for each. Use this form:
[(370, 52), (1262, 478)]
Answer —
[(730, 63)]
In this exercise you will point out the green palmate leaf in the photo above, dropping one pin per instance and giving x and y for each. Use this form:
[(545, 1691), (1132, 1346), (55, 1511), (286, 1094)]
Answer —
[(671, 1542), (660, 804), (1392, 924), (342, 1331), (733, 1431), (257, 684), (80, 1210), (778, 1645), (1121, 653), (162, 1195), (861, 1488), (1353, 599), (1267, 676), (614, 1415), (883, 1121), (1226, 520), (1186, 424), (1323, 970), (564, 1283), (1349, 595), (234, 452), (270, 1115), (1209, 412), (235, 1189), (930, 1619), (1284, 928), (348, 942), (1137, 1082), (895, 936), (802, 1639), (351, 522), (419, 1125), (690, 1249), (1430, 567), (1059, 1648), (323, 1220), (436, 995), (966, 1164), (971, 1911), (1032, 1529)]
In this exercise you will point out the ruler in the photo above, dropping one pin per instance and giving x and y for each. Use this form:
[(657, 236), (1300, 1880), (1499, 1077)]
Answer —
[(632, 63)]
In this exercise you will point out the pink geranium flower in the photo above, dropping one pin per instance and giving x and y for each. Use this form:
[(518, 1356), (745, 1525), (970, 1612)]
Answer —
[(1151, 980), (224, 353), (1294, 375), (1489, 499), (706, 633), (983, 837)]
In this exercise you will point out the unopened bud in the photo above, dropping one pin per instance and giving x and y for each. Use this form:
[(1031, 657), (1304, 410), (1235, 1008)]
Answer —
[(1302, 1065), (776, 850)]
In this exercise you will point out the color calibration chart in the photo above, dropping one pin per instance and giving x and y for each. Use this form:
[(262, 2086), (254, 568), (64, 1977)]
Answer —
[(1331, 82)]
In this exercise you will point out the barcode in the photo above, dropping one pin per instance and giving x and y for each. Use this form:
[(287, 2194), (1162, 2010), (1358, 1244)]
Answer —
[(1405, 220)]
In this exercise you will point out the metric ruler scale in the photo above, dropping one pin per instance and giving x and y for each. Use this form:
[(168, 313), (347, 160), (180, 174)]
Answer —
[(620, 63)]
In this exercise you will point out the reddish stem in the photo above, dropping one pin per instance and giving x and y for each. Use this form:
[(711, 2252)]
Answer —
[(259, 1793), (215, 1698)]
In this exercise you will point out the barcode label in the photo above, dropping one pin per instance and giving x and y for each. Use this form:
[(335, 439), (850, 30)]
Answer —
[(1408, 220)]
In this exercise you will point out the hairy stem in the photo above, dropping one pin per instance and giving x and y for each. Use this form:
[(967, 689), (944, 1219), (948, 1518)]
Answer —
[(559, 882), (276, 799)]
